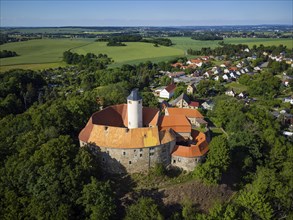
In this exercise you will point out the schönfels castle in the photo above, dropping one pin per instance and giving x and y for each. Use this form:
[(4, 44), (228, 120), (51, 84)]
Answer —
[(132, 138)]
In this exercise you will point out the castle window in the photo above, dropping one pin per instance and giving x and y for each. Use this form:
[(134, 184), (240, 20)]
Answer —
[(174, 161), (103, 159), (140, 155), (129, 162), (134, 150), (151, 154), (141, 150), (124, 153)]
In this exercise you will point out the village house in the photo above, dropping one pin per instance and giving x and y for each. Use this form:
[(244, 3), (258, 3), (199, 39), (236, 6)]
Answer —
[(183, 101), (190, 89), (242, 95), (288, 100), (230, 93), (168, 92), (176, 74), (208, 105)]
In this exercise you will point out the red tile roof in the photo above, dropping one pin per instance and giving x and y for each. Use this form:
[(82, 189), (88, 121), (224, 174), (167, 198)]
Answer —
[(194, 104), (178, 123), (116, 116), (189, 113), (196, 61), (170, 88), (194, 150), (176, 64)]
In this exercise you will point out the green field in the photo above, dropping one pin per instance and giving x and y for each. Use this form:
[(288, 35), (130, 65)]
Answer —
[(133, 52), (47, 53), (185, 43), (257, 41)]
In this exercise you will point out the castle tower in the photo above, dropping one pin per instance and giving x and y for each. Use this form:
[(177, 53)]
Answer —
[(134, 109)]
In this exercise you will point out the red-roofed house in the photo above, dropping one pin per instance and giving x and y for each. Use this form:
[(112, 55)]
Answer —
[(168, 92)]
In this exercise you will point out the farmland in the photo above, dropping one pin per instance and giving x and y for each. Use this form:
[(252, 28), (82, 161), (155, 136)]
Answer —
[(47, 53), (185, 43)]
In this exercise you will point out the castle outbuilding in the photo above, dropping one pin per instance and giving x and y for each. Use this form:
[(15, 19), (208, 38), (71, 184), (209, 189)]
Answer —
[(132, 138)]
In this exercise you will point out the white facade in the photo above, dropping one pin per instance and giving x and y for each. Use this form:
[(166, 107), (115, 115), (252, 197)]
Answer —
[(134, 112), (165, 94)]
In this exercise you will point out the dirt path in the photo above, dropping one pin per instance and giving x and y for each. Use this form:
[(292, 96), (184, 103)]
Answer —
[(202, 196), (171, 197)]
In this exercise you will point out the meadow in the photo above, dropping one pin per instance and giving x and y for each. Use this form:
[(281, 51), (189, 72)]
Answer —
[(133, 52), (185, 43), (47, 53), (38, 54)]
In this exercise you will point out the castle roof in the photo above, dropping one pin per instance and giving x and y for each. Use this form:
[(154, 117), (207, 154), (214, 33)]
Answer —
[(134, 95), (198, 149), (178, 123), (189, 113), (116, 115), (108, 128)]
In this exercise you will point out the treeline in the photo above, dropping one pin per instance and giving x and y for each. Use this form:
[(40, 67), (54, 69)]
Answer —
[(115, 43), (117, 40), (159, 41), (206, 36), (7, 53), (89, 60), (226, 49)]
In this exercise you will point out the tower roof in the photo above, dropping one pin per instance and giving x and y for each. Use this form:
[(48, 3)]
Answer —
[(134, 95)]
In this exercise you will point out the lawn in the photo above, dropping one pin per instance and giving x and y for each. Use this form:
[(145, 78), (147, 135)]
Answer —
[(237, 87)]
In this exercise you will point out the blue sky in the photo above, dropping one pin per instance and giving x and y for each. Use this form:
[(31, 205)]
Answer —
[(144, 13)]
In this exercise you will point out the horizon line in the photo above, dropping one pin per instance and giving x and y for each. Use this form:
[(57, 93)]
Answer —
[(87, 26)]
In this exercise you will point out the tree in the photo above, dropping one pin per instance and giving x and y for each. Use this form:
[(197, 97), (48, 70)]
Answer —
[(144, 209), (97, 198), (179, 90), (188, 210), (165, 80), (218, 160)]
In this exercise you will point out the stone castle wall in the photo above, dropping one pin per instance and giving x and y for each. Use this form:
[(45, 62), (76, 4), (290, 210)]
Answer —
[(133, 160), (186, 163)]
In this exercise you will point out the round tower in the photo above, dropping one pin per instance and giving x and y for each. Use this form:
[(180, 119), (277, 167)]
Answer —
[(134, 109)]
